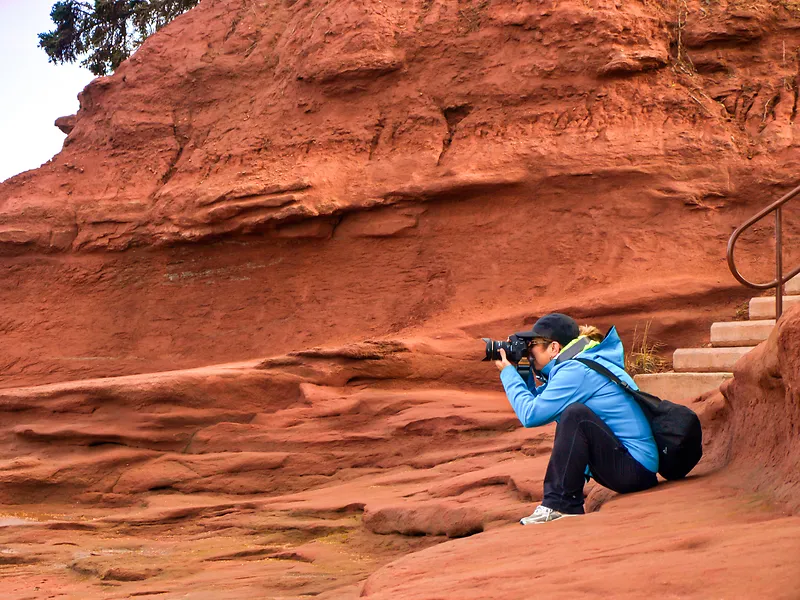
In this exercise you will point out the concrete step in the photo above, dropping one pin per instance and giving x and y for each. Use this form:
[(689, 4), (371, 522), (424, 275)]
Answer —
[(741, 333), (707, 360), (793, 286), (764, 308), (680, 386)]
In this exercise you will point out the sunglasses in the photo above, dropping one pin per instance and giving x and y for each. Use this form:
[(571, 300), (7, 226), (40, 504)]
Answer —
[(536, 341)]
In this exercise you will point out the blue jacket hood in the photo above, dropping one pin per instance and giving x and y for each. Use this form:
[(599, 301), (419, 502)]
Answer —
[(610, 350)]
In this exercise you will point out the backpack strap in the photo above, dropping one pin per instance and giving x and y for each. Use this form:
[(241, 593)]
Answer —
[(645, 400), (595, 366), (573, 350)]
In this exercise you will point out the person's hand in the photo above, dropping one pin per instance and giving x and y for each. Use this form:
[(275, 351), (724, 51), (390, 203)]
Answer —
[(503, 362)]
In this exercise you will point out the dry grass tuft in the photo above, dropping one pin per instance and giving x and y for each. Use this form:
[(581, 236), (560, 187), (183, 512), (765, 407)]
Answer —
[(643, 357), (742, 312)]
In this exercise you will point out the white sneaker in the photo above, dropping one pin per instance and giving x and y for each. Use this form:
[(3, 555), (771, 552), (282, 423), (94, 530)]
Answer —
[(542, 514)]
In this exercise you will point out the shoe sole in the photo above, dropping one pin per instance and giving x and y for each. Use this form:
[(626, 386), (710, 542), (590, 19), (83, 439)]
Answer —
[(548, 521)]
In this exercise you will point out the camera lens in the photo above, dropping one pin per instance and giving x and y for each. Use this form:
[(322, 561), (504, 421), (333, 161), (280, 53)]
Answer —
[(491, 350)]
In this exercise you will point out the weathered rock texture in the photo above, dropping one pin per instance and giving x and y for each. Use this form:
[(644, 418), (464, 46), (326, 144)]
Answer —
[(262, 178), (285, 172), (244, 117), (328, 472), (764, 402)]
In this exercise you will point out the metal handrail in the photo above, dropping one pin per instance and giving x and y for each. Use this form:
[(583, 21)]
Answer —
[(780, 279)]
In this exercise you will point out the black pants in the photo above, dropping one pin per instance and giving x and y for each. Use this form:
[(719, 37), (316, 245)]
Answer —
[(583, 438)]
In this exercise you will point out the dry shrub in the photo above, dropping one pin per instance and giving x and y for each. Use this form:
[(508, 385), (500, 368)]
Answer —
[(644, 354)]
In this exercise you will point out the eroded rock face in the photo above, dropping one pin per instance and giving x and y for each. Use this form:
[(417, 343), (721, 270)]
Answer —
[(233, 122), (249, 428), (326, 463), (66, 124), (353, 468), (764, 402), (443, 164), (434, 518), (288, 179)]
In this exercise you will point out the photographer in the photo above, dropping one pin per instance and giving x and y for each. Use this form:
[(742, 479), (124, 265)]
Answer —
[(602, 432)]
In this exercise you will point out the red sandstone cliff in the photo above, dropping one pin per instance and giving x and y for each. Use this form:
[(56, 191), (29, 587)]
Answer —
[(283, 173), (281, 118), (265, 178)]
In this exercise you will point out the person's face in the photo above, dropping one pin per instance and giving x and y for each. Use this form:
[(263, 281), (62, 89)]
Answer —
[(541, 352)]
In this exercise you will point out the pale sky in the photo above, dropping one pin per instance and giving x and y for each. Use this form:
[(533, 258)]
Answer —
[(33, 92)]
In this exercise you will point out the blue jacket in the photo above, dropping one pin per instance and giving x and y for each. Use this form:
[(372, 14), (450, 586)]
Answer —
[(572, 381)]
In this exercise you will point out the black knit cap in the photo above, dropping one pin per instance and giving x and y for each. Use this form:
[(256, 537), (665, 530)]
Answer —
[(555, 326)]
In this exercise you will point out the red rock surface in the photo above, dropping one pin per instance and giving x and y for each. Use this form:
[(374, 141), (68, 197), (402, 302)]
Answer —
[(263, 177), (266, 186), (347, 472), (764, 399)]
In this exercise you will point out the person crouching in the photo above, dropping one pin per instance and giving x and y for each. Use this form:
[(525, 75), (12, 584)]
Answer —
[(601, 431)]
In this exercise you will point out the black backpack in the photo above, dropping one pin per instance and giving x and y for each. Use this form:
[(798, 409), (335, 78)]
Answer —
[(676, 428)]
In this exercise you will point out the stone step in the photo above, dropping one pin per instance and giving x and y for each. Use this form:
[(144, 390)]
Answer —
[(707, 360), (680, 386), (764, 308), (740, 333), (793, 286)]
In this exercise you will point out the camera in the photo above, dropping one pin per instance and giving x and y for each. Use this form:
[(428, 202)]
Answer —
[(516, 348)]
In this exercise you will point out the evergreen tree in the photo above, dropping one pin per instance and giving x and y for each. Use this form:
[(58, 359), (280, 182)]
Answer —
[(105, 32)]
